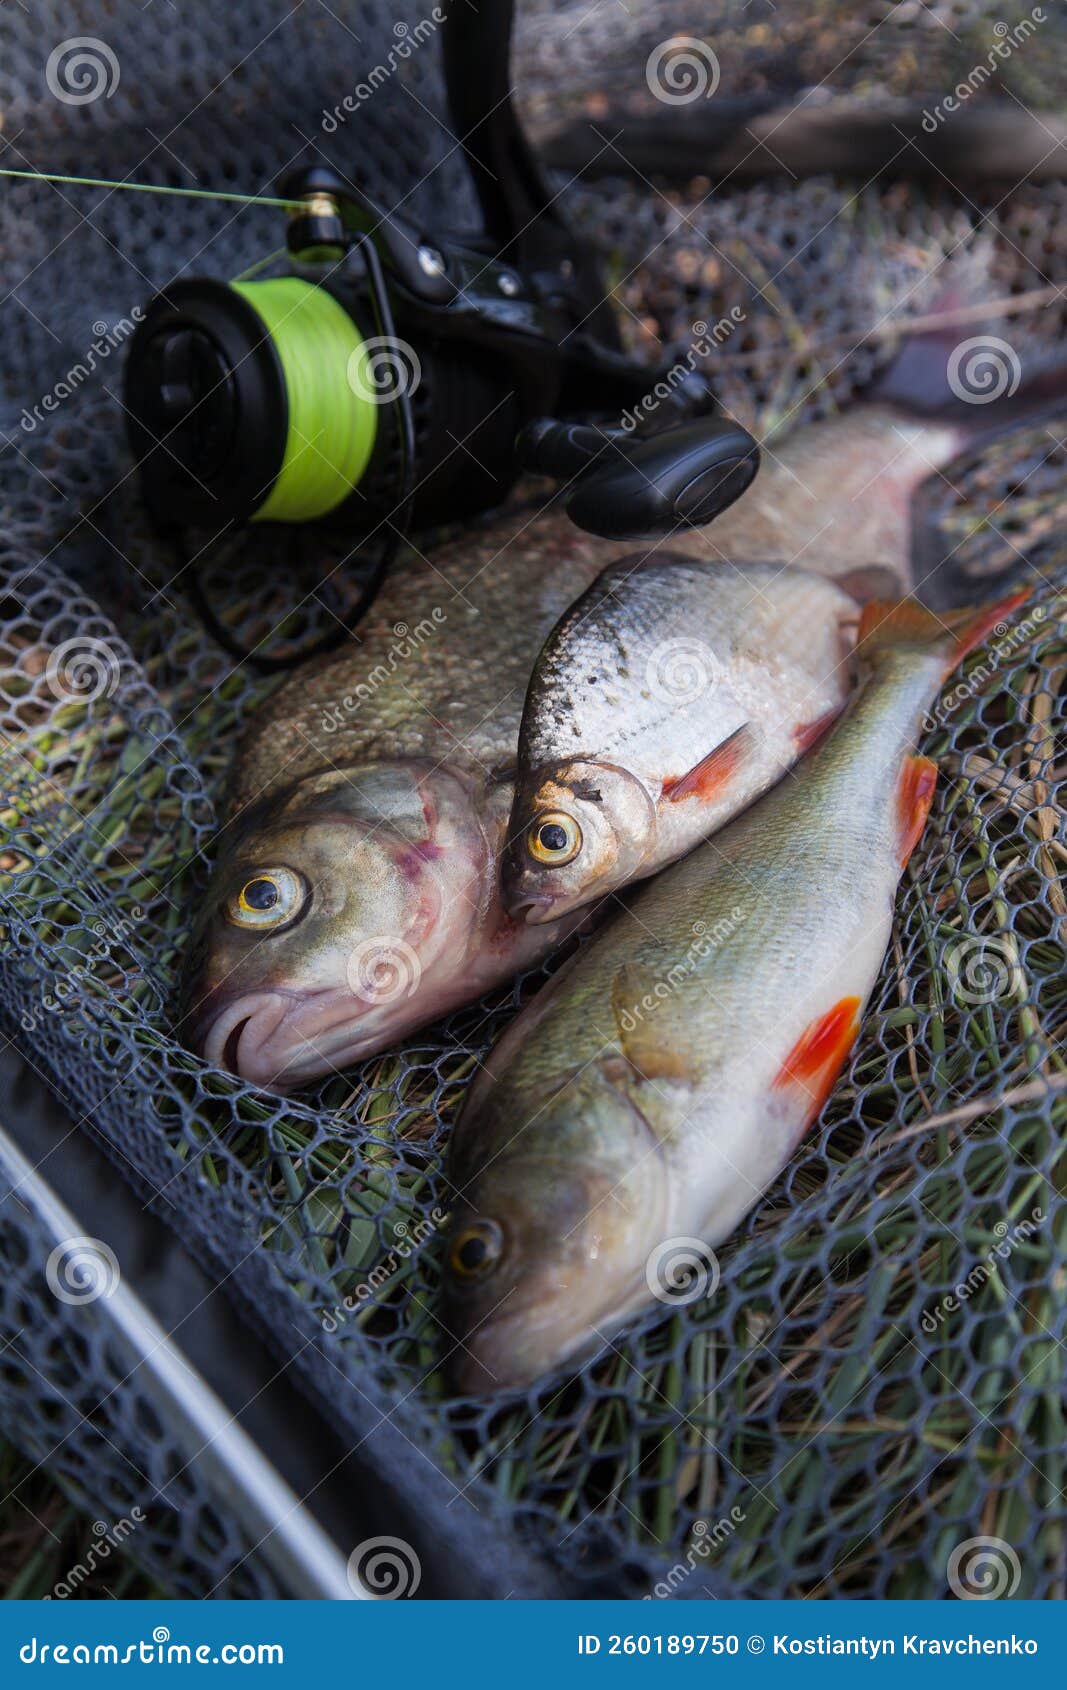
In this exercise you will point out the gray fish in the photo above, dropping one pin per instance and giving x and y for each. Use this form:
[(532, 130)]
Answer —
[(666, 699)]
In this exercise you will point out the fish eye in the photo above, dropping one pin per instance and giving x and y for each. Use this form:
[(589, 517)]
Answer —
[(554, 838), (476, 1249), (270, 899)]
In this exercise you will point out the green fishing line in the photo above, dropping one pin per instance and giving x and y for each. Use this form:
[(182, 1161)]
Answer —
[(152, 188), (331, 429)]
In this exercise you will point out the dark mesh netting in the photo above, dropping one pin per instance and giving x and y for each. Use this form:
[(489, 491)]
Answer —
[(878, 1377)]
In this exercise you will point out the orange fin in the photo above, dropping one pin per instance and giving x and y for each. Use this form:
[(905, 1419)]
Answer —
[(707, 778), (883, 626), (819, 1054), (809, 733), (915, 793)]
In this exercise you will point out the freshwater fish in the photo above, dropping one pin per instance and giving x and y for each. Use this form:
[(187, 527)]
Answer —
[(670, 695), (356, 892), (648, 1096), (356, 895)]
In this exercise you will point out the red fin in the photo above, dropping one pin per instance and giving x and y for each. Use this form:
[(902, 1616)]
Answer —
[(883, 626), (819, 1054), (808, 733), (707, 778), (915, 793), (981, 623)]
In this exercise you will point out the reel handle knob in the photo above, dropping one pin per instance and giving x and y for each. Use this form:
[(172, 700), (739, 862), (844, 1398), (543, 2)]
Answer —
[(649, 486)]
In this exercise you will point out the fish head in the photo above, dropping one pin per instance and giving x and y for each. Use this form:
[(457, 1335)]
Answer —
[(578, 830), (334, 922), (547, 1246)]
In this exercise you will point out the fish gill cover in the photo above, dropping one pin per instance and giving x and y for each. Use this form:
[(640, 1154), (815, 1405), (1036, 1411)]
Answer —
[(875, 1373)]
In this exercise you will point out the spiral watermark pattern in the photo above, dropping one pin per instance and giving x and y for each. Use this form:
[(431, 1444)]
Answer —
[(384, 369), (681, 1271), (82, 69), (387, 1567), (82, 1270), (83, 669), (681, 70), (383, 970), (983, 369), (680, 671), (982, 970), (983, 1569)]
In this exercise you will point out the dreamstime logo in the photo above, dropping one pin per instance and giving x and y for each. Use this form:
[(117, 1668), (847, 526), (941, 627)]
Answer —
[(1006, 38), (406, 1240), (682, 1270), (83, 669), (980, 1274), (81, 69), (681, 70), (406, 39), (983, 1569), (705, 940), (382, 970), (704, 1540), (982, 369), (107, 1538), (706, 336), (82, 1270), (109, 931), (680, 671), (983, 970), (383, 369), (108, 337), (1002, 643), (387, 1567), (404, 646)]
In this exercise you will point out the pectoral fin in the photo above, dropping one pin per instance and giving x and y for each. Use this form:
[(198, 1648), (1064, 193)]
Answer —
[(808, 734), (708, 778), (819, 1054), (637, 996), (914, 796)]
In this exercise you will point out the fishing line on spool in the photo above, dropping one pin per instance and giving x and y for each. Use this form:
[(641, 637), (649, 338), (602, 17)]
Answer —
[(395, 525)]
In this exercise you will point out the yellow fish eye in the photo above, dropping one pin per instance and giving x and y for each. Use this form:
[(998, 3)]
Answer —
[(476, 1250), (554, 838), (269, 899)]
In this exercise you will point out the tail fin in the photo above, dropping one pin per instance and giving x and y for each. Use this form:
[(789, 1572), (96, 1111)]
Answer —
[(886, 628)]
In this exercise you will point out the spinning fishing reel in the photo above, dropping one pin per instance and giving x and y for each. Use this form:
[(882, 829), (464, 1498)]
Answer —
[(401, 379)]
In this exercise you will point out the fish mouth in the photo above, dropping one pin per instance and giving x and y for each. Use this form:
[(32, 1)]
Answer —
[(282, 1039), (511, 1354), (534, 908)]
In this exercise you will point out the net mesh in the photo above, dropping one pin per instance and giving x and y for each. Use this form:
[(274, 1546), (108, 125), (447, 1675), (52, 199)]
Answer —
[(877, 1379)]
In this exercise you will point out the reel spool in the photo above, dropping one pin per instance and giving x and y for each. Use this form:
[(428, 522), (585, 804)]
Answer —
[(275, 401)]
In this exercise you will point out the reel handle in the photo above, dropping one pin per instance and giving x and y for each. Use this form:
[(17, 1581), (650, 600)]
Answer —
[(637, 487)]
